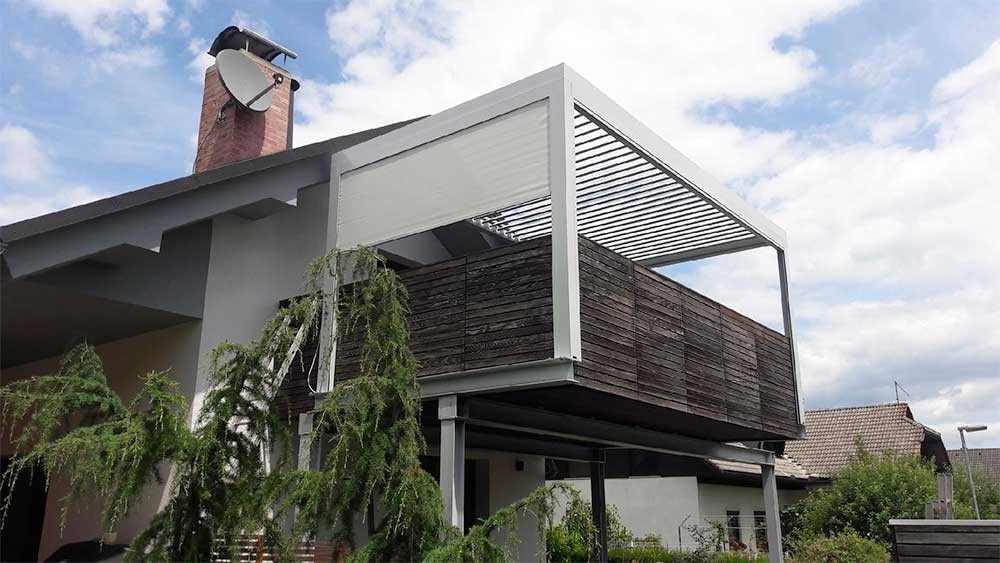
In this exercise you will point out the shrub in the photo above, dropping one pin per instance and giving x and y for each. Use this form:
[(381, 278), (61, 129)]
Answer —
[(647, 554), (564, 546), (866, 494), (847, 547), (987, 494), (572, 538)]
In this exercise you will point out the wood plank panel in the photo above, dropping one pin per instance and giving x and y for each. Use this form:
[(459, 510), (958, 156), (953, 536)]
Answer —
[(691, 353)]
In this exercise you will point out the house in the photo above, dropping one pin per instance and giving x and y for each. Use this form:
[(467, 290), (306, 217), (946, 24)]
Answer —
[(665, 496), (830, 439), (525, 224), (986, 460), (729, 492)]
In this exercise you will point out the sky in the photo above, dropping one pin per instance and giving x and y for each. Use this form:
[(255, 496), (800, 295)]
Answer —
[(867, 130)]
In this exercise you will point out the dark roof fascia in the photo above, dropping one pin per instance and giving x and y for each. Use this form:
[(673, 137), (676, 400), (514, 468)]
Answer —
[(121, 202)]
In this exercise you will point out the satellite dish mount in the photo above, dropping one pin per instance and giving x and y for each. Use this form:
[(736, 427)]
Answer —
[(247, 86)]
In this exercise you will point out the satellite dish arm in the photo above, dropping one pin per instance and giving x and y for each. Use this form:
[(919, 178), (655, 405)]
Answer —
[(278, 80)]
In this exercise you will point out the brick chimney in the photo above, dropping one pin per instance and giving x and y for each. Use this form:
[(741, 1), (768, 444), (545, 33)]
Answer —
[(242, 133)]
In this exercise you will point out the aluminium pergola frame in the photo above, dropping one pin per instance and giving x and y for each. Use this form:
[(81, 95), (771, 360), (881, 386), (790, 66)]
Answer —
[(603, 175)]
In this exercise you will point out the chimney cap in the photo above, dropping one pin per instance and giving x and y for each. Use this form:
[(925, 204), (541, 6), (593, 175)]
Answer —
[(242, 38)]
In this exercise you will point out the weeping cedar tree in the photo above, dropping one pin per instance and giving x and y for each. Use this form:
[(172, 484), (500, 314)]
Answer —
[(224, 481)]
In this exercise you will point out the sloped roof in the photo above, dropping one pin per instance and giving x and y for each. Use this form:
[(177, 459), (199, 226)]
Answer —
[(830, 433), (985, 459), (783, 467)]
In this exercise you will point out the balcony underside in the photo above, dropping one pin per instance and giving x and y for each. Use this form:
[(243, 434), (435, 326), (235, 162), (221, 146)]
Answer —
[(655, 354)]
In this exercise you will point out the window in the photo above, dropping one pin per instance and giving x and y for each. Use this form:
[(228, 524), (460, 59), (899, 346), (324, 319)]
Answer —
[(760, 529), (733, 528)]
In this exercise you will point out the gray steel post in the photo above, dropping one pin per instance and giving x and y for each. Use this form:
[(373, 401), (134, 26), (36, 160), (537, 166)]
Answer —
[(599, 508), (968, 469), (452, 461), (771, 514)]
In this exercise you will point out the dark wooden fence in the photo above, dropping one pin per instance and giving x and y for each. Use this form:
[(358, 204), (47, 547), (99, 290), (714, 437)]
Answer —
[(645, 336), (649, 338), (485, 310), (955, 541)]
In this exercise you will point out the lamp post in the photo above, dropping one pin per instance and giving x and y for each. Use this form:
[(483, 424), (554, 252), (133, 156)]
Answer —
[(968, 467)]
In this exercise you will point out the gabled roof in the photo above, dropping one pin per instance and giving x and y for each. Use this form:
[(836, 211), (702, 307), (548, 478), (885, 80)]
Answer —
[(80, 213), (830, 435), (986, 460), (783, 467)]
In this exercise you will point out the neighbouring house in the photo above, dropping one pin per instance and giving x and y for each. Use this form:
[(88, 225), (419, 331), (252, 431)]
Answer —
[(831, 436), (986, 460), (526, 224), (658, 499), (665, 495)]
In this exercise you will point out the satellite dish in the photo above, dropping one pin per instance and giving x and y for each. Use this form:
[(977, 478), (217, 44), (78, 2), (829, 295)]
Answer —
[(244, 81)]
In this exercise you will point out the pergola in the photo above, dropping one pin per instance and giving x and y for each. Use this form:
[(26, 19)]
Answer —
[(550, 155)]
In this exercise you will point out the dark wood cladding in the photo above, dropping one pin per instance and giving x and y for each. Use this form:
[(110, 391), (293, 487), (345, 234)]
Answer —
[(649, 338), (294, 396), (485, 310)]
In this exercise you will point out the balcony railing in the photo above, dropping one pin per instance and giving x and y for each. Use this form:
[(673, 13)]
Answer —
[(644, 337)]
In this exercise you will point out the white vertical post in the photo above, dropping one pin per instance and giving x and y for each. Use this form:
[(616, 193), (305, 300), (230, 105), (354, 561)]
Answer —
[(305, 456), (771, 514), (565, 257), (452, 461), (328, 332), (786, 316)]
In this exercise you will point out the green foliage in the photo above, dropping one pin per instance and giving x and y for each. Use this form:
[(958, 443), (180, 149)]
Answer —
[(846, 547), (868, 492), (115, 454), (376, 417), (710, 538), (987, 494), (476, 545), (224, 482), (575, 535)]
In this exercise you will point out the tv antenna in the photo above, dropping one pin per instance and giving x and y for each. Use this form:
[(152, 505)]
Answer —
[(898, 389), (242, 78)]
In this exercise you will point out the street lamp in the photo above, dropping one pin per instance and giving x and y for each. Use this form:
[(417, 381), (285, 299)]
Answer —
[(968, 467)]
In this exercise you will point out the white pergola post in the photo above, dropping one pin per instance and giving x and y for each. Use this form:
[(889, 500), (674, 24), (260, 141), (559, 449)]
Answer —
[(452, 461), (328, 327), (786, 316), (565, 256), (771, 514)]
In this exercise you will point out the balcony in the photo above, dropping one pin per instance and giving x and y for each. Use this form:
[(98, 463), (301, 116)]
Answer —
[(663, 355)]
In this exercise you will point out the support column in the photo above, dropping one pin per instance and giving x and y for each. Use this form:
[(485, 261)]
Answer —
[(305, 458), (771, 514), (452, 461), (599, 507), (565, 254), (786, 316)]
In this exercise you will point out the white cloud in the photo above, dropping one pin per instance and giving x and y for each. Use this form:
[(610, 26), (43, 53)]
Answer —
[(405, 59), (887, 129), (22, 158), (18, 206), (26, 171), (242, 19), (894, 264), (198, 48), (886, 61), (105, 22), (130, 59)]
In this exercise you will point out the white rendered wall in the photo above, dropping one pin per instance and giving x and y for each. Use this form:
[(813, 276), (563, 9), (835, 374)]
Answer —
[(484, 168), (715, 500), (508, 485), (252, 267), (650, 505), (174, 349)]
